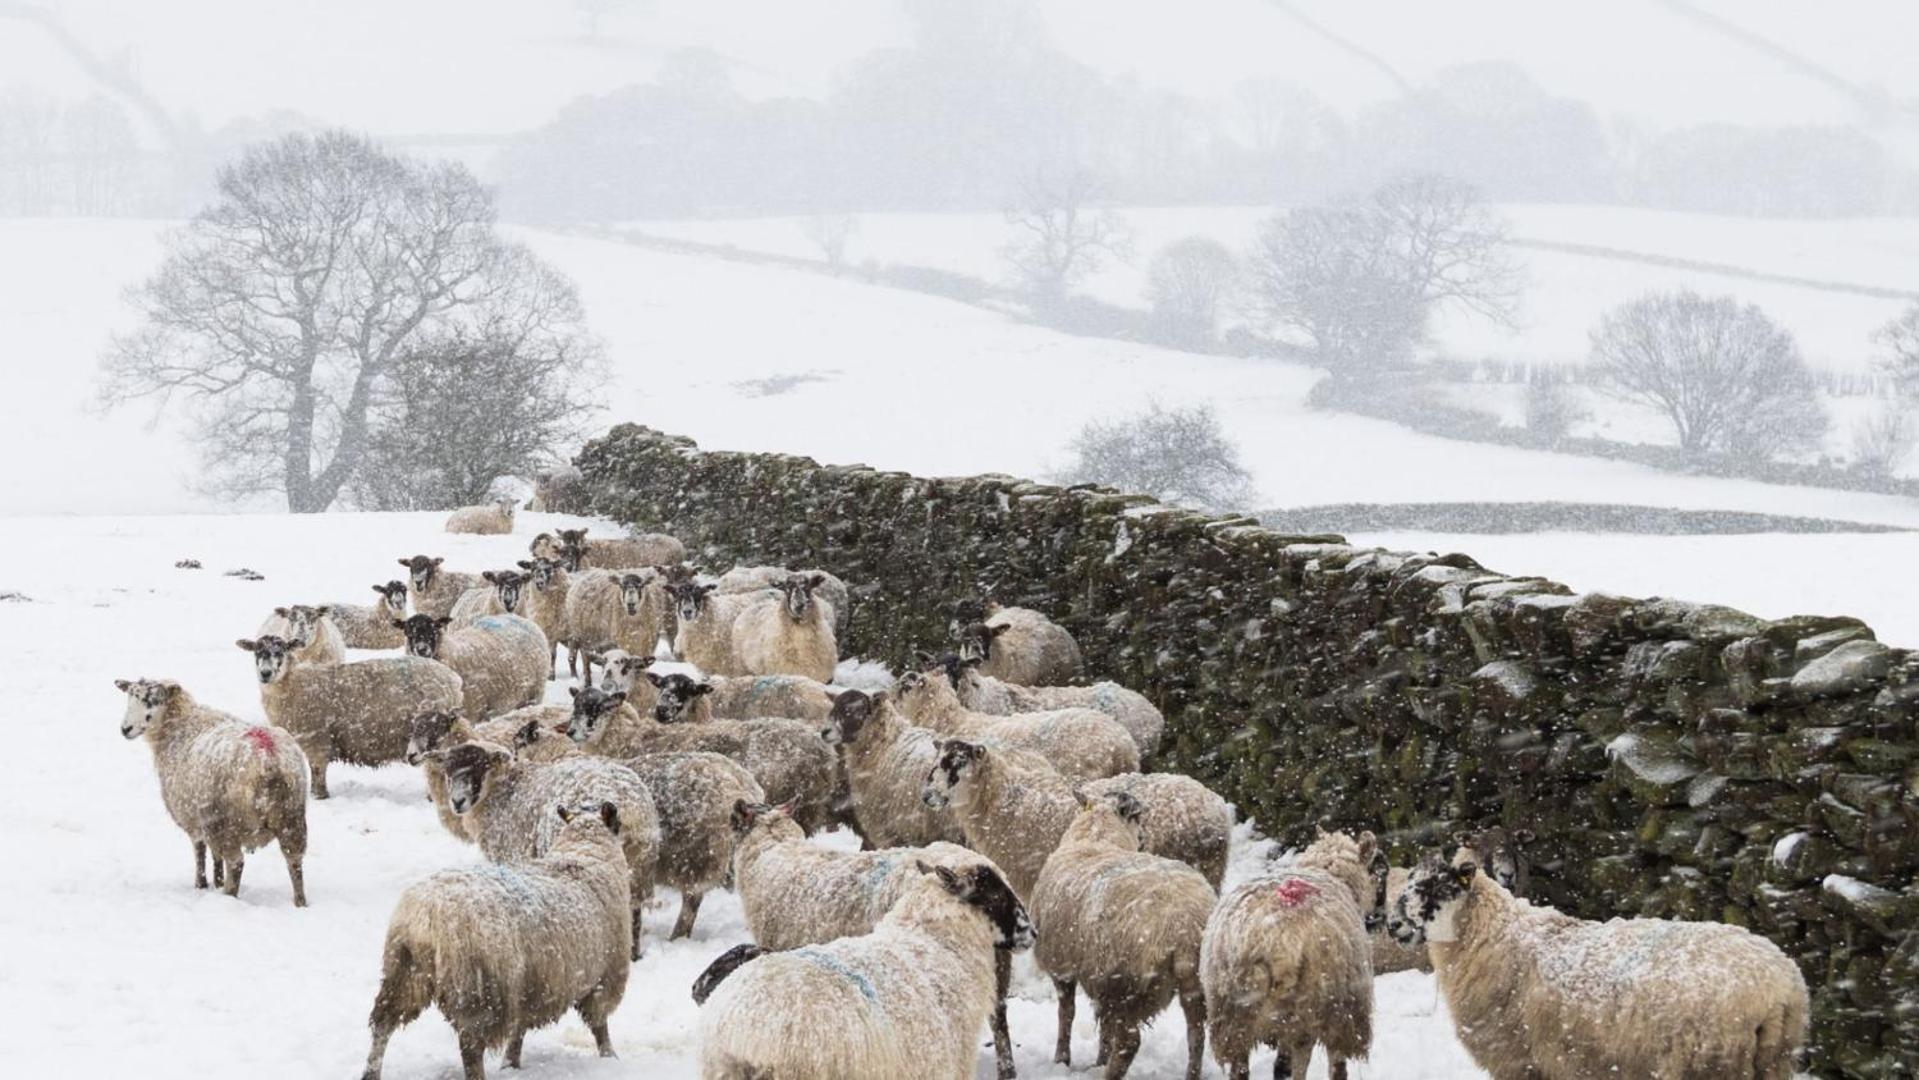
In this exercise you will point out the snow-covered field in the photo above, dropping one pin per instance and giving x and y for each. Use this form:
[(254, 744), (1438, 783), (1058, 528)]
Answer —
[(115, 965)]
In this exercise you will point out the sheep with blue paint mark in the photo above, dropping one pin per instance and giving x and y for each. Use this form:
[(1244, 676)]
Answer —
[(501, 659)]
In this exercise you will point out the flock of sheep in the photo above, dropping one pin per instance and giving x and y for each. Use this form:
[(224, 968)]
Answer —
[(1001, 808)]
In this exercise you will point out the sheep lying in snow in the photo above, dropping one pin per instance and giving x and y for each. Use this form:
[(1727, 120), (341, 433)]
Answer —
[(493, 519), (231, 787), (886, 761), (623, 553), (695, 793), (441, 730), (500, 801), (1016, 645), (627, 610), (1125, 925), (1286, 961), (434, 591), (1080, 743), (795, 893), (985, 694), (370, 626), (1534, 993), (831, 590), (546, 605), (504, 593), (501, 950), (359, 713), (497, 659), (312, 631), (907, 999)]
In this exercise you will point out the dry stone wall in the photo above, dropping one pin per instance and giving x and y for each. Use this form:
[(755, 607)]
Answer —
[(1673, 759)]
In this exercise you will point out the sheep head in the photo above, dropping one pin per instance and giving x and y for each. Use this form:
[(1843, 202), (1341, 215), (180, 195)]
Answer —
[(1501, 854), (545, 573), (689, 599), (796, 594), (428, 732), (603, 815), (982, 888), (852, 712), (422, 569), (633, 589), (677, 694), (976, 640), (147, 701), (508, 586), (1426, 908), (958, 759), (424, 634), (470, 771), (394, 592), (619, 669), (593, 710), (272, 656)]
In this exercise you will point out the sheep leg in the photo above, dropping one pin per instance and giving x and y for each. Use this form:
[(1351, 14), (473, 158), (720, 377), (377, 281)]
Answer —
[(473, 1055), (199, 864), (219, 871), (316, 765), (552, 660), (1002, 1038), (1192, 1001), (572, 662), (1063, 1045), (1125, 1044), (512, 1059), (1105, 1036), (592, 1009), (1339, 1069), (637, 907), (1239, 1070), (689, 910), (234, 865), (296, 873)]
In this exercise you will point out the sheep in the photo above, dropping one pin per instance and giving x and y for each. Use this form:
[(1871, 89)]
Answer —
[(434, 591), (645, 549), (606, 609), (442, 730), (1181, 818), (231, 787), (695, 793), (545, 604), (359, 713), (886, 760), (795, 893), (985, 694), (504, 593), (1017, 645), (1499, 851), (704, 636), (1127, 926), (311, 629), (1080, 743), (497, 659), (1534, 993), (364, 626), (832, 591), (749, 697), (907, 999), (501, 950), (499, 800), (560, 490), (624, 672), (1287, 962), (785, 631), (493, 519)]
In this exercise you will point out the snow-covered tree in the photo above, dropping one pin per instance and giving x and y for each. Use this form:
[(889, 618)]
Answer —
[(1178, 456), (1900, 339), (1883, 441), (831, 233), (1059, 237), (282, 310), (1186, 284)]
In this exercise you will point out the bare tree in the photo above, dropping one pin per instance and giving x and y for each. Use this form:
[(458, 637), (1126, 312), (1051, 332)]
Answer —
[(1551, 411), (1059, 237), (29, 136), (1360, 279), (1178, 456), (1883, 441), (104, 154), (1186, 283), (1900, 339), (281, 309), (1725, 375), (831, 233)]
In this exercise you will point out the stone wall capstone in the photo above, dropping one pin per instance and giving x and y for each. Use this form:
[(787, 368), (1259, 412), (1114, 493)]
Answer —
[(1674, 759)]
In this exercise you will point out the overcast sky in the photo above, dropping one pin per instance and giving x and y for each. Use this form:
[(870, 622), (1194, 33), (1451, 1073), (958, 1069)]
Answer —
[(410, 66)]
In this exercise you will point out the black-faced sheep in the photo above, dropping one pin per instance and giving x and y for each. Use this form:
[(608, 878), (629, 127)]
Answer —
[(830, 591), (359, 713), (789, 758), (1017, 645), (1125, 925), (1499, 852), (434, 591), (501, 950), (497, 659), (493, 519), (605, 609), (316, 639), (439, 730), (785, 631), (232, 787), (1081, 743), (886, 761), (505, 593), (370, 626), (906, 1000), (705, 621), (1287, 963), (695, 793), (1537, 994), (546, 606), (622, 553), (500, 799), (985, 694)]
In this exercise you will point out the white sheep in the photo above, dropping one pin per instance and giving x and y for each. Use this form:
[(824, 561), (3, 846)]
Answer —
[(886, 760), (316, 638), (622, 553), (499, 799), (546, 605), (1081, 743), (985, 694), (706, 620), (501, 950), (441, 730), (906, 1000), (1534, 993), (789, 757), (831, 591), (1180, 818), (1125, 925), (434, 591), (504, 593), (232, 787), (1287, 962), (604, 609), (370, 626), (359, 713), (695, 793), (497, 659), (785, 631), (492, 519), (560, 490), (1018, 645), (1499, 851)]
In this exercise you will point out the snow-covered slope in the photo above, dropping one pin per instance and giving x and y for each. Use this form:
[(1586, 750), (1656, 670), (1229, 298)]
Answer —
[(115, 965)]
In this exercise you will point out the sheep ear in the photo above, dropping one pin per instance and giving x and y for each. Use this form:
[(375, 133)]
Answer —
[(814, 581), (1079, 796), (528, 734), (408, 563), (280, 611), (610, 817), (1463, 873), (565, 814), (655, 679), (123, 684), (249, 646), (949, 880), (877, 697), (323, 610), (1368, 847), (618, 697), (488, 575), (399, 624), (996, 631), (525, 564), (443, 620), (500, 757), (702, 688), (573, 691), (742, 816), (438, 560)]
